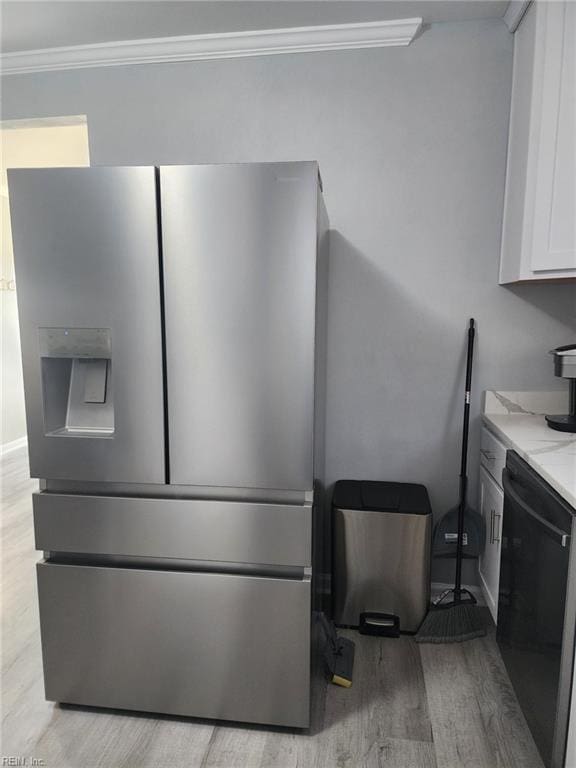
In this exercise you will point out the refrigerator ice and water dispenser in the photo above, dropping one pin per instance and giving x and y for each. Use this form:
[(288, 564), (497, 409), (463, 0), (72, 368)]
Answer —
[(76, 382)]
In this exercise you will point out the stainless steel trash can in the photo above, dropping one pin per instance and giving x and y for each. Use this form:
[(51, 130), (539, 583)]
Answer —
[(381, 558)]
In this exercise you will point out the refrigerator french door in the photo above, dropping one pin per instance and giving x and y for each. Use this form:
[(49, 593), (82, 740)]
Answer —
[(87, 271), (239, 288), (171, 342)]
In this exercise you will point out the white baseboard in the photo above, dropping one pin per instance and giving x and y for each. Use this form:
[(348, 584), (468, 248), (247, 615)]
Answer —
[(437, 587), (492, 605), (14, 445)]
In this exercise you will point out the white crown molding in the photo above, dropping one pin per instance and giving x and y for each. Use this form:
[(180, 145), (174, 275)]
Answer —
[(515, 13), (44, 122), (334, 37)]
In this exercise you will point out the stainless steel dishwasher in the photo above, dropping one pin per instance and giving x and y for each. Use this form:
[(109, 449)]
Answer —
[(537, 603)]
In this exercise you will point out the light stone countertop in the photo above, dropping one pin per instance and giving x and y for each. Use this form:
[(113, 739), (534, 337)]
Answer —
[(517, 419)]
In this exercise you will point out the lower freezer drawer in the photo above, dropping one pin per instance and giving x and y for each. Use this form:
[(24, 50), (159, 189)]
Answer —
[(184, 643)]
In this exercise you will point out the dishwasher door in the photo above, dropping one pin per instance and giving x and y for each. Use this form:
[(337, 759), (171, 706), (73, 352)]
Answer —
[(536, 613)]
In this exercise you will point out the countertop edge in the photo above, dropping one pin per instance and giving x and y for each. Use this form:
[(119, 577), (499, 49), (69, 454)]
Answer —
[(536, 466)]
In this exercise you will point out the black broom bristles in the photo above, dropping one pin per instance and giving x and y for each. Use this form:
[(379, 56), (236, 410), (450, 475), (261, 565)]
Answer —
[(454, 624)]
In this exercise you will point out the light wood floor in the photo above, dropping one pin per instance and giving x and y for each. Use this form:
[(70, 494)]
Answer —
[(410, 706)]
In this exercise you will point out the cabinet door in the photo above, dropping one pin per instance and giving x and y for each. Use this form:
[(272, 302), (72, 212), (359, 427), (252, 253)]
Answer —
[(491, 509), (239, 244), (519, 167), (539, 234), (554, 233), (88, 277)]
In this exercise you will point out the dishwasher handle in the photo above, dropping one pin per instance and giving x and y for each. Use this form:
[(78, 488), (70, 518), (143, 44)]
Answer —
[(559, 535)]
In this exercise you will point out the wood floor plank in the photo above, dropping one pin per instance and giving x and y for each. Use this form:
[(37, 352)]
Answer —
[(289, 750), (235, 748), (390, 679), (25, 711), (460, 737), (501, 713), (171, 742), (401, 753), (386, 702), (299, 749), (84, 737), (88, 738)]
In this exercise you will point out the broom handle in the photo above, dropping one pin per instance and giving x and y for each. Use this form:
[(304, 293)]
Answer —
[(464, 465)]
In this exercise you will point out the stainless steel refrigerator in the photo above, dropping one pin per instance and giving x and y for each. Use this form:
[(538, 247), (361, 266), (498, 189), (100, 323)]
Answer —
[(172, 328)]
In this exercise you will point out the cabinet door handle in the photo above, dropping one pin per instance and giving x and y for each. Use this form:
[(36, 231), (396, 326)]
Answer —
[(499, 518), (492, 515), (488, 455)]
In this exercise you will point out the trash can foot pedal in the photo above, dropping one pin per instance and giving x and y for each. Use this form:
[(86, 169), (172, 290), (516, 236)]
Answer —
[(382, 624)]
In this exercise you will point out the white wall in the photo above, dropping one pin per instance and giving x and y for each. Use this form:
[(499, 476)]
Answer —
[(412, 147)]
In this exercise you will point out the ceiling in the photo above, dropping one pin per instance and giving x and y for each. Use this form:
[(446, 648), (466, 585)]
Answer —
[(29, 25)]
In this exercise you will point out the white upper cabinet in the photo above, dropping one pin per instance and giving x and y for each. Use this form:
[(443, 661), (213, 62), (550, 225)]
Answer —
[(539, 228)]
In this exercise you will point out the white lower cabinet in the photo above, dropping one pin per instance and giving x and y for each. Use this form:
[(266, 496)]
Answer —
[(491, 508)]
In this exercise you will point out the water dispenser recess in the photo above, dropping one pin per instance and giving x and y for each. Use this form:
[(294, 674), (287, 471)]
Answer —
[(76, 366)]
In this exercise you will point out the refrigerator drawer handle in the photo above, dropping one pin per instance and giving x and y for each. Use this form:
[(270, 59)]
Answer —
[(559, 535)]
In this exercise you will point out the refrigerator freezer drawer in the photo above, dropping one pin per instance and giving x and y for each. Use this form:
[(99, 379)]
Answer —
[(196, 644), (241, 532)]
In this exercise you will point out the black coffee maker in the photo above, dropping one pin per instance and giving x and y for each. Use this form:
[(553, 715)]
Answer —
[(565, 366)]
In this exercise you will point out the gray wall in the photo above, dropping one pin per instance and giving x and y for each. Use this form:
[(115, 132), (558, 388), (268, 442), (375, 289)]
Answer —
[(412, 147)]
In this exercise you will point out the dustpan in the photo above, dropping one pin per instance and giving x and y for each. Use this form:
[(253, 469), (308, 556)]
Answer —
[(445, 537)]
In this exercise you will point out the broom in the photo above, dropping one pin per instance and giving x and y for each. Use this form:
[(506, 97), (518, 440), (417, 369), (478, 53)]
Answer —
[(454, 616)]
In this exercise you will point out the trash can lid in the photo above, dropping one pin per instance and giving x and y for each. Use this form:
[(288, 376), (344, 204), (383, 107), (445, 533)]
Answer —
[(375, 496)]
